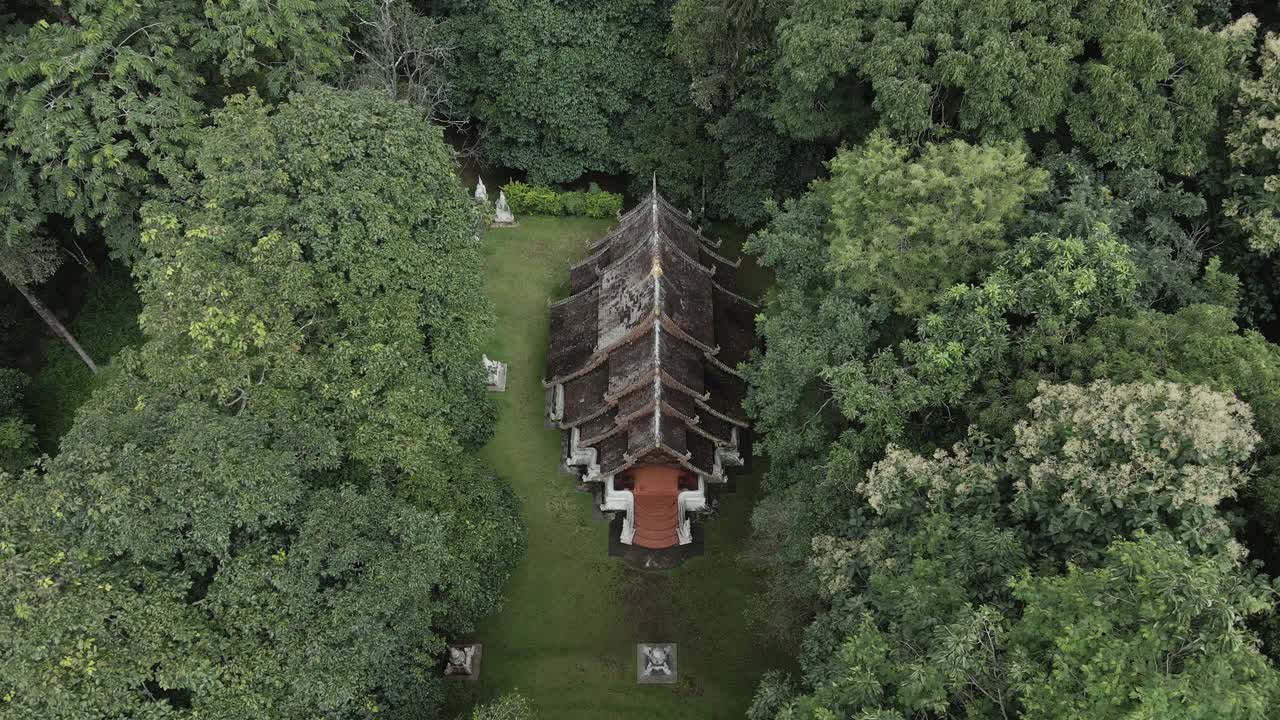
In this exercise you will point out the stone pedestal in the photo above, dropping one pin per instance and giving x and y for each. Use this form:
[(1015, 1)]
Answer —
[(656, 664), (495, 374)]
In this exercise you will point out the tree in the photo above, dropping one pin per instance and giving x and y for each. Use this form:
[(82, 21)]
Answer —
[(728, 49), (274, 502), (809, 323), (101, 98), (564, 89), (922, 617), (27, 256), (1254, 141), (324, 272), (723, 43), (1137, 83), (1199, 344), (1154, 631), (552, 81), (1105, 461), (406, 55), (904, 229), (1162, 223), (841, 377), (173, 547), (978, 339)]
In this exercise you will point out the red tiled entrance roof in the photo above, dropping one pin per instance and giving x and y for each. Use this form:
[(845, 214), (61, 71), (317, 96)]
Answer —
[(656, 516)]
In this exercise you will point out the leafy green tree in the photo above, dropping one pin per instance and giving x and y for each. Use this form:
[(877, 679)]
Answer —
[(173, 547), (723, 43), (904, 229), (86, 633), (1161, 222), (977, 339), (290, 283), (728, 49), (1136, 83), (1199, 344), (28, 256), (1154, 631), (1254, 141), (101, 98), (810, 323), (922, 617), (760, 164), (553, 81), (273, 505), (842, 376)]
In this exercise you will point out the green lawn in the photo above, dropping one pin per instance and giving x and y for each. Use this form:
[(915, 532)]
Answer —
[(573, 614)]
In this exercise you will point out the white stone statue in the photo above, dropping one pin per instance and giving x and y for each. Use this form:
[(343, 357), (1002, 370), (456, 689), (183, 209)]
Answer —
[(460, 658), (502, 213), (482, 195), (657, 660), (495, 374)]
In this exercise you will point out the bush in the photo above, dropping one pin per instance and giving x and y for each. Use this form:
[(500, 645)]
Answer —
[(603, 204), (542, 200), (512, 706), (574, 203), (533, 199)]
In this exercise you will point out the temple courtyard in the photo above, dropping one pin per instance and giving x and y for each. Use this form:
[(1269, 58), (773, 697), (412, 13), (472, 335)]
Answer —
[(573, 615)]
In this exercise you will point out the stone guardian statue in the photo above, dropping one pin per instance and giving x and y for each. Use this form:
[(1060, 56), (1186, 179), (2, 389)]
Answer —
[(502, 213), (459, 662)]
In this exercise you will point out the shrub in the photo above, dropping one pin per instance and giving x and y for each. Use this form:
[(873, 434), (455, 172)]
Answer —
[(512, 706), (603, 204), (532, 199), (542, 200), (574, 203)]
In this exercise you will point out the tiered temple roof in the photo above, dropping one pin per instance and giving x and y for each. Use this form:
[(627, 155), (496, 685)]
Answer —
[(643, 356)]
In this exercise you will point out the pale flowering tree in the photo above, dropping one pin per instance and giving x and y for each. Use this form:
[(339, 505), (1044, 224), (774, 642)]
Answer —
[(1255, 152), (977, 581), (1101, 461)]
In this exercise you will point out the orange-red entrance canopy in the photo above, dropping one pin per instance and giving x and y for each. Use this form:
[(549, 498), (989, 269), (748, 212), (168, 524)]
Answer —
[(656, 515)]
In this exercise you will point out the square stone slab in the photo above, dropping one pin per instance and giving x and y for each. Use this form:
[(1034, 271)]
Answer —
[(650, 672)]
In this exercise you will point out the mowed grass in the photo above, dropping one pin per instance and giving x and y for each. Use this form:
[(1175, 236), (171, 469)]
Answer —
[(566, 638)]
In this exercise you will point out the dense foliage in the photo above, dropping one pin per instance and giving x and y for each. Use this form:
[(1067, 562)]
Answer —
[(952, 527), (544, 200), (272, 502)]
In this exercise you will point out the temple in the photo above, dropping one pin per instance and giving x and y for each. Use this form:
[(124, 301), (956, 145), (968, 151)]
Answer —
[(642, 373)]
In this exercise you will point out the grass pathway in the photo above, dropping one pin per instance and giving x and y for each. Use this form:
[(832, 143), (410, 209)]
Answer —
[(566, 638)]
